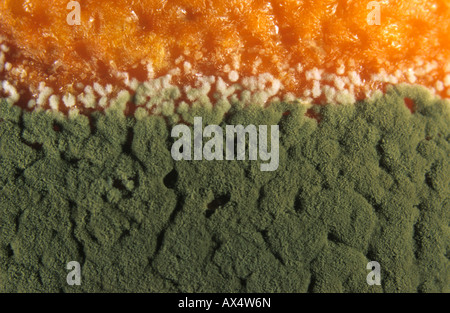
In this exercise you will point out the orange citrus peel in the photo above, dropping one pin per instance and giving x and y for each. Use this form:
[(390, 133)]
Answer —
[(316, 51)]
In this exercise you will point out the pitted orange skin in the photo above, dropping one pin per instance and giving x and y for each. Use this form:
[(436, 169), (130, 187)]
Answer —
[(121, 35)]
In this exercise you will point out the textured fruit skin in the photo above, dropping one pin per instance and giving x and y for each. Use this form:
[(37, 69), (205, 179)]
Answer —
[(127, 36), (369, 182)]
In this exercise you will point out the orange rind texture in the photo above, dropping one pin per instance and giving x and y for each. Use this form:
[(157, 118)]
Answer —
[(316, 51)]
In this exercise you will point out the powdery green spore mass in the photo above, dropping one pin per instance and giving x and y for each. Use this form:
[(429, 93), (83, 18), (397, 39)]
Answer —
[(370, 182)]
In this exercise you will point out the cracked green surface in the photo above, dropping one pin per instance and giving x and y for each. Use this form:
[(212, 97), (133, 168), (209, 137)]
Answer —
[(369, 183)]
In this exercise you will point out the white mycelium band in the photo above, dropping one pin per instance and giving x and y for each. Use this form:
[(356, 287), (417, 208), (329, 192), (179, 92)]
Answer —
[(162, 96)]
